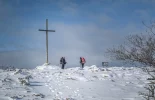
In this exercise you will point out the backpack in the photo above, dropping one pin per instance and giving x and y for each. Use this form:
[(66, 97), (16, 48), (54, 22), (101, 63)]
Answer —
[(61, 60), (64, 61), (83, 60)]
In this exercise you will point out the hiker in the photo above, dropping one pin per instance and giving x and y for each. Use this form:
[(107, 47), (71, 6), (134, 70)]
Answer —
[(63, 62), (82, 61)]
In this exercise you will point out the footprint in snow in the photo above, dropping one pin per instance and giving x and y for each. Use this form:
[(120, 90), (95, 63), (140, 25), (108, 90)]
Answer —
[(67, 87), (59, 93), (75, 92), (50, 88), (52, 91), (46, 84)]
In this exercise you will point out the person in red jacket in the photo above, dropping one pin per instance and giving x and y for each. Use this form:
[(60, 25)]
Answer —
[(82, 61)]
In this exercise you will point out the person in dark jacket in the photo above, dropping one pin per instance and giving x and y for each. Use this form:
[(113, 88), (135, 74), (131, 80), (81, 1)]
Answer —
[(63, 62), (82, 61)]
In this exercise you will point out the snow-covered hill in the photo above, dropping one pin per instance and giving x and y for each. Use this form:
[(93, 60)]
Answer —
[(90, 83)]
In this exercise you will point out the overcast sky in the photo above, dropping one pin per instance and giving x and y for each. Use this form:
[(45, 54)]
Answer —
[(83, 28)]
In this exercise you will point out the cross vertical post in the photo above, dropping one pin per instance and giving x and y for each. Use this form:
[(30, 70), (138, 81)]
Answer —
[(47, 39)]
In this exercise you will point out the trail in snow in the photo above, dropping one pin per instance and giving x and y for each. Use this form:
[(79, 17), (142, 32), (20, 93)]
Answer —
[(90, 83)]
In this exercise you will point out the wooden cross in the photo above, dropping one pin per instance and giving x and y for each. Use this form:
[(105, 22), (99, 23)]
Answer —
[(47, 38)]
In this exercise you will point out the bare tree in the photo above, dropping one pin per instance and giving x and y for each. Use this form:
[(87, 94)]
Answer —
[(138, 48)]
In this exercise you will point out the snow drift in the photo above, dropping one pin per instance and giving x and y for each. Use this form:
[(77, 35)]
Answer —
[(91, 83)]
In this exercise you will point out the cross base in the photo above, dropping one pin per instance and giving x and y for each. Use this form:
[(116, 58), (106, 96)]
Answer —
[(46, 64)]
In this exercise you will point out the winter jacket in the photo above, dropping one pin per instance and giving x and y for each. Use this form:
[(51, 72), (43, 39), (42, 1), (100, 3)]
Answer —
[(62, 61), (82, 60)]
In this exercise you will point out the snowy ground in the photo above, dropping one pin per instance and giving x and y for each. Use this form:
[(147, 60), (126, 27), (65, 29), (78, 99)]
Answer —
[(91, 83)]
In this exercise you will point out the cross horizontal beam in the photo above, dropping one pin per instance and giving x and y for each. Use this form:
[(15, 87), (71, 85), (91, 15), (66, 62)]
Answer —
[(47, 30)]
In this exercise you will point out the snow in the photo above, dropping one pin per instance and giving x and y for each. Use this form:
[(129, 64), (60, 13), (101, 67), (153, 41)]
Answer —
[(49, 82)]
